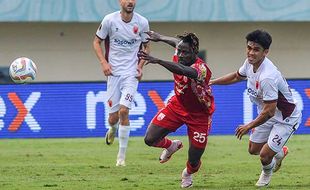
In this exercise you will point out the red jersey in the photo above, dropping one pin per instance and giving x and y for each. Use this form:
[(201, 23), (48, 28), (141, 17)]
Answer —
[(193, 95)]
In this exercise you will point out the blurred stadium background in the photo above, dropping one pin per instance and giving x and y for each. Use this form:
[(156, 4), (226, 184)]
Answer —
[(67, 99)]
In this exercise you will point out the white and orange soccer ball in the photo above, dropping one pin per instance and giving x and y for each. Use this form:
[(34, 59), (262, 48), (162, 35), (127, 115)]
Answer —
[(23, 70)]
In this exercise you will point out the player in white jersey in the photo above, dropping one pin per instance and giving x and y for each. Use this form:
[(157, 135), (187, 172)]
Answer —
[(124, 35), (278, 117)]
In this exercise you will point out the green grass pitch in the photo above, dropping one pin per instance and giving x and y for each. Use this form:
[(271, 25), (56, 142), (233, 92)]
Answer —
[(87, 163)]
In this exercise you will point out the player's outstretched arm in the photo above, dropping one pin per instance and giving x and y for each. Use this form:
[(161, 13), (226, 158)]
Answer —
[(173, 67), (227, 79), (157, 37)]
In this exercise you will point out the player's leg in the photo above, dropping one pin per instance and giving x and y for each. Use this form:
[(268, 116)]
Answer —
[(259, 137), (156, 136), (128, 86), (255, 148), (164, 122), (111, 133), (268, 163), (123, 135), (279, 135), (279, 158), (192, 166), (198, 131), (284, 132), (113, 98), (258, 146)]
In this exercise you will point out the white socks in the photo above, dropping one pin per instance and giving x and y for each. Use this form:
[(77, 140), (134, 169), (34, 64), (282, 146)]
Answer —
[(123, 136), (279, 155), (268, 168)]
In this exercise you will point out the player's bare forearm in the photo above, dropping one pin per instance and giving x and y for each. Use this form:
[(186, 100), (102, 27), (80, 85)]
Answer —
[(173, 67), (179, 69), (98, 50), (156, 37), (267, 113), (227, 79)]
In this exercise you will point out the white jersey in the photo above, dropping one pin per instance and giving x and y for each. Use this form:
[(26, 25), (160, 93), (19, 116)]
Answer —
[(268, 84), (123, 41)]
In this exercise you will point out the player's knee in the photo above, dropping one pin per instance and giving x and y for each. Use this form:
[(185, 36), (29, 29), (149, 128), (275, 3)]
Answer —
[(123, 112), (149, 141), (253, 151), (113, 120)]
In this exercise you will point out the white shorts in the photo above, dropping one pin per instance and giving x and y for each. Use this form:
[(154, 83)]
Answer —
[(121, 91), (273, 132)]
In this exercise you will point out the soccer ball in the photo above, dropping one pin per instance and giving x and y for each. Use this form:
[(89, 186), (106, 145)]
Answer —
[(23, 70)]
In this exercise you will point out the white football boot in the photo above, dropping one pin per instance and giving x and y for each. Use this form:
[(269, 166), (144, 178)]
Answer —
[(187, 180), (120, 162), (264, 179), (167, 153)]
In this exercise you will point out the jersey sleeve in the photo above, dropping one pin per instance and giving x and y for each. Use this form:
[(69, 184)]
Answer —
[(202, 71), (270, 89), (103, 29), (242, 70)]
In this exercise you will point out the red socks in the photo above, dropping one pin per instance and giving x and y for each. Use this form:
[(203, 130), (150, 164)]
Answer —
[(190, 169), (164, 143)]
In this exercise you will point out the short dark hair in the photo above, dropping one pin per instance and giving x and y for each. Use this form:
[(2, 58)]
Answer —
[(192, 39), (261, 37)]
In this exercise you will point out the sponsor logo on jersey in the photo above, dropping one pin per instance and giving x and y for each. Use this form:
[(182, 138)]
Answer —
[(252, 92), (161, 116), (125, 42)]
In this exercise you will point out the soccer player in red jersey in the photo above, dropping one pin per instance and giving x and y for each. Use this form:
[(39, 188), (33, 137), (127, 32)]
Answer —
[(192, 104)]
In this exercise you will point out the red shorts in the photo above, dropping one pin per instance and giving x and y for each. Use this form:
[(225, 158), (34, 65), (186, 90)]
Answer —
[(198, 124)]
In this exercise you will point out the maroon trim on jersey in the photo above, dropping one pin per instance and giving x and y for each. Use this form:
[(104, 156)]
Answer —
[(270, 101), (240, 74), (99, 37), (284, 106), (107, 47)]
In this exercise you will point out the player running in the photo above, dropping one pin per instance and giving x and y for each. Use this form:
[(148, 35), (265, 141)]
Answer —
[(123, 34), (278, 117), (192, 104)]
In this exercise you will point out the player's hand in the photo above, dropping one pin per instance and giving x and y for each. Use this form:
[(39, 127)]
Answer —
[(107, 69), (211, 82), (241, 130), (153, 36), (147, 57)]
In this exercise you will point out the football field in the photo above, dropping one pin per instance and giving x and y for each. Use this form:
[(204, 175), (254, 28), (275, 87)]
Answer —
[(87, 163)]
